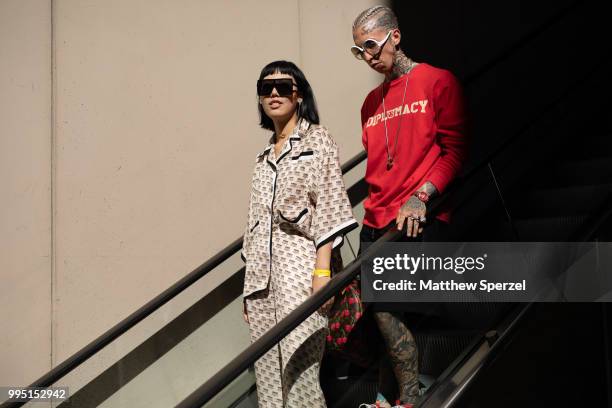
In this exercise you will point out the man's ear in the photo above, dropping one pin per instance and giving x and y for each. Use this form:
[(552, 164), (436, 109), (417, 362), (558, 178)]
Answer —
[(397, 38)]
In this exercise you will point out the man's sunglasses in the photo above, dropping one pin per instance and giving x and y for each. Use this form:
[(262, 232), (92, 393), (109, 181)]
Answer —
[(371, 46), (284, 87)]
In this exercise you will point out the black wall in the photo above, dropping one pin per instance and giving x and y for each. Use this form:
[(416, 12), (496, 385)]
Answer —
[(537, 73), (568, 41)]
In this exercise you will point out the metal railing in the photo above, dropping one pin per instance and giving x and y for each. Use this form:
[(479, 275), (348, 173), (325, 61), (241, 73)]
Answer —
[(258, 348), (240, 363)]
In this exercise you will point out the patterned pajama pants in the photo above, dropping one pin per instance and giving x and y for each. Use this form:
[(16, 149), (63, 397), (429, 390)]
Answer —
[(287, 375)]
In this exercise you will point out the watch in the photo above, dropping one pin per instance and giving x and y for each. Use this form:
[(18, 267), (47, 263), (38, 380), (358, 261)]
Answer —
[(421, 195)]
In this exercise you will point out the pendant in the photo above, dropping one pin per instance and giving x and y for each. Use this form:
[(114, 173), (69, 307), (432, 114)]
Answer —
[(389, 163)]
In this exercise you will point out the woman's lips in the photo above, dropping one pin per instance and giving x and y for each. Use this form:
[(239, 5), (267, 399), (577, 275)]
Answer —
[(274, 104)]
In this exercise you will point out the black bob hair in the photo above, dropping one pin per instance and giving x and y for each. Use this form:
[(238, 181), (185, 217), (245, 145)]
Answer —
[(308, 107)]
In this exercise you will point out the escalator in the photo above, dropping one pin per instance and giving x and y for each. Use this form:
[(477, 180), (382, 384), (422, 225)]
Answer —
[(452, 336), (471, 355), (552, 354)]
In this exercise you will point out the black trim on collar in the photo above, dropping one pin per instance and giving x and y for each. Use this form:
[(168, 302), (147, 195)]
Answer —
[(266, 151), (291, 139), (297, 136), (272, 164)]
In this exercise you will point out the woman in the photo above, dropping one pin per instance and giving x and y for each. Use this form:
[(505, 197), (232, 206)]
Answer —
[(298, 212)]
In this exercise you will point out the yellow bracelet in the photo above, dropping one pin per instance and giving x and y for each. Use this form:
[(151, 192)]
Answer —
[(321, 272)]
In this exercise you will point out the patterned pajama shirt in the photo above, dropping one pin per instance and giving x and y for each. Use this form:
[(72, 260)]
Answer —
[(298, 203)]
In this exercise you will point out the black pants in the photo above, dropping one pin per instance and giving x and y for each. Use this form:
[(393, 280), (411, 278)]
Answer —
[(434, 231)]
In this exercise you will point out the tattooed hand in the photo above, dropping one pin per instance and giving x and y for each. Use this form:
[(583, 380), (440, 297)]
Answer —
[(413, 212)]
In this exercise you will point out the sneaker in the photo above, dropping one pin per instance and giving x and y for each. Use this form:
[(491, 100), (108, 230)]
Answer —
[(381, 402), (378, 404)]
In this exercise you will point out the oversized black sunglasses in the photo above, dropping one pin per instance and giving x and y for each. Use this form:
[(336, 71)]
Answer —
[(284, 87)]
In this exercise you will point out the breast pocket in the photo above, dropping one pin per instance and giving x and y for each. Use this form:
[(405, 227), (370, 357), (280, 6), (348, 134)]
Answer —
[(303, 156), (300, 170), (293, 206)]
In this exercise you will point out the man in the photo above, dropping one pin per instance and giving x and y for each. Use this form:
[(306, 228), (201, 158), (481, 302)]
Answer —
[(414, 134)]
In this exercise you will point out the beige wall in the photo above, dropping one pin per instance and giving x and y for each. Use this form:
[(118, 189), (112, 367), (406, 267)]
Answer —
[(155, 132), (157, 123), (25, 182)]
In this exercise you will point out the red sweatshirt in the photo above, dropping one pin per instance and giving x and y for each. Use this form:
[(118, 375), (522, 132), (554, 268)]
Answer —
[(431, 144)]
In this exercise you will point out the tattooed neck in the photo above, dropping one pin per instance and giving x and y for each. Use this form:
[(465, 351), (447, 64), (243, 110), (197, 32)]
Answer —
[(401, 65)]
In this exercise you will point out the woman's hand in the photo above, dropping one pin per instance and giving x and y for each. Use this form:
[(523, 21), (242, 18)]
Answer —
[(317, 283), (245, 314)]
